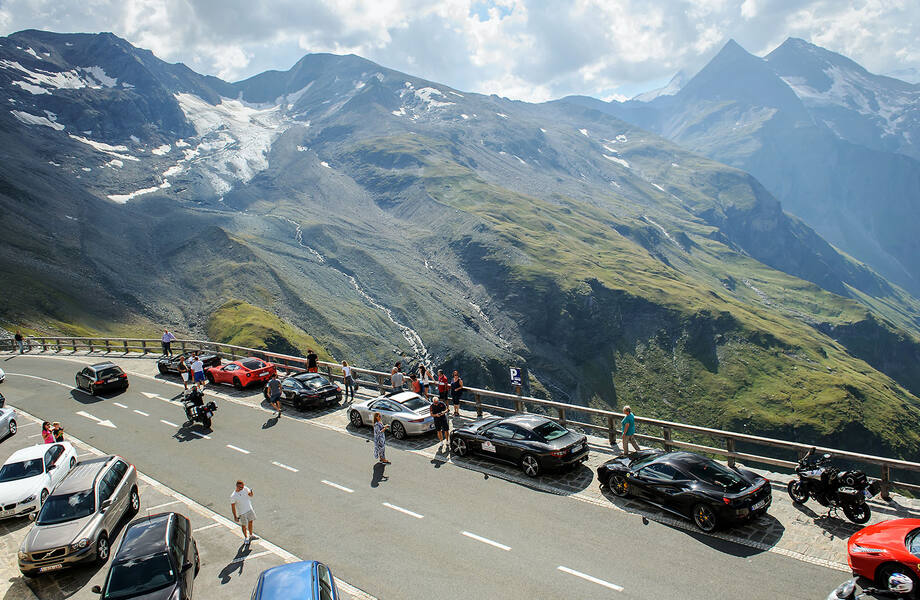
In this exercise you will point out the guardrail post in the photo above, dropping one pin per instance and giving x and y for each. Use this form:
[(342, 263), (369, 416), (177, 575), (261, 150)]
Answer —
[(182, 345), (666, 434), (730, 447), (74, 342), (144, 346), (886, 484), (611, 431), (44, 344), (380, 384), (90, 344), (108, 346), (478, 400), (126, 346), (329, 373), (518, 402), (561, 415)]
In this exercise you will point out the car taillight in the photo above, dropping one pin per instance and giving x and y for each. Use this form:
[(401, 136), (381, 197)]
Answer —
[(100, 382), (124, 375), (417, 421), (726, 500)]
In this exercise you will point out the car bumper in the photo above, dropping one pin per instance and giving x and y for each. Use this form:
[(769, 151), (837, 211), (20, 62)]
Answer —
[(107, 387), (36, 567), (19, 510), (420, 428), (314, 402), (562, 462), (736, 515)]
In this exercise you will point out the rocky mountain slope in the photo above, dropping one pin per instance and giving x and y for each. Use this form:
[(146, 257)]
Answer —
[(385, 215)]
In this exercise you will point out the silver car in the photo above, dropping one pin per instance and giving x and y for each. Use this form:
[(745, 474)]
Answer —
[(74, 524), (406, 413), (7, 420)]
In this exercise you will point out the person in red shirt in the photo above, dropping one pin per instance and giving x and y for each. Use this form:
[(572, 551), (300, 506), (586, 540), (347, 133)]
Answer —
[(443, 386)]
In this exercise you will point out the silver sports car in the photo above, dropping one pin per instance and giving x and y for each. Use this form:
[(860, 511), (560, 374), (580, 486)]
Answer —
[(406, 413), (7, 421)]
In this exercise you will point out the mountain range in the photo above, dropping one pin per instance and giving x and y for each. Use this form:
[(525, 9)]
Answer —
[(379, 215)]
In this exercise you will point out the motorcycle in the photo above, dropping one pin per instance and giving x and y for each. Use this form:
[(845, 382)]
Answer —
[(832, 488), (899, 586), (196, 410)]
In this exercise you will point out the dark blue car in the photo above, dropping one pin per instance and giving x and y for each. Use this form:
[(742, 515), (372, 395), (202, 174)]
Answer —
[(307, 580)]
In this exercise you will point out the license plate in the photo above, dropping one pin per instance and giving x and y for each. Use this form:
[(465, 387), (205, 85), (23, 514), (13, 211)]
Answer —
[(5, 513), (760, 504), (50, 568), (113, 380), (578, 449)]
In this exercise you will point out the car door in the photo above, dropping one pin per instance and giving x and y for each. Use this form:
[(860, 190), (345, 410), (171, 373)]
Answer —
[(54, 466), (496, 441), (326, 583), (188, 549), (387, 411), (660, 483), (290, 388), (84, 377), (226, 374)]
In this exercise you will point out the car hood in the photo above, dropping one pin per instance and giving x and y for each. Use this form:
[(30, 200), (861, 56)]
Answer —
[(43, 537), (886, 534), (161, 594), (14, 491)]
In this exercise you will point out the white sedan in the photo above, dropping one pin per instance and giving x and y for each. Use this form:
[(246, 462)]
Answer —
[(31, 474)]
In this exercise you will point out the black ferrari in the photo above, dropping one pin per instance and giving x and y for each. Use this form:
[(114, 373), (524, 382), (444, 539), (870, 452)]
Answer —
[(308, 390), (689, 485), (170, 364), (533, 442)]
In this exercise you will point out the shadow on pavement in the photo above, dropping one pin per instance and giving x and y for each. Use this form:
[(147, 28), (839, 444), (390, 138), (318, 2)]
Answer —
[(271, 422), (85, 397), (378, 475), (235, 564), (831, 522), (187, 432)]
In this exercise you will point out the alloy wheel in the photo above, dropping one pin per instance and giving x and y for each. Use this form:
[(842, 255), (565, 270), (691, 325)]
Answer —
[(355, 417), (12, 427), (399, 430), (704, 517), (619, 485), (531, 465), (102, 549), (459, 446)]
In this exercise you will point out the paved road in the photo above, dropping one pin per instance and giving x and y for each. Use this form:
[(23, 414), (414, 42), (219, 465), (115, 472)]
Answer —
[(421, 528)]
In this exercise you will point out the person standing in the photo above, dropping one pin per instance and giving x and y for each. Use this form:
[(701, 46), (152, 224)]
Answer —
[(311, 361), (274, 392), (443, 386), (629, 430), (19, 339), (47, 435), (397, 378), (57, 432), (243, 513), (414, 384), (456, 392), (349, 380), (439, 412), (183, 371), (423, 376), (167, 340), (380, 439), (197, 370)]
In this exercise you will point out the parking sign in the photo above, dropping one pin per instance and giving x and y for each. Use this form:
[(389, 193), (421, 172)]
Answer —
[(515, 376)]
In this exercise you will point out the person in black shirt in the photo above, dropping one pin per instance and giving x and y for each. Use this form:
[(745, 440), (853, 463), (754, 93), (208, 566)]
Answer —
[(311, 361), (439, 412)]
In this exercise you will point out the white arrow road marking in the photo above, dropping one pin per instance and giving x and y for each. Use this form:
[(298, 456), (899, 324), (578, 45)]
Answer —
[(586, 577), (232, 447), (141, 413), (284, 466), (338, 487), (170, 423), (149, 395), (119, 404), (201, 435), (104, 423), (479, 538), (403, 510)]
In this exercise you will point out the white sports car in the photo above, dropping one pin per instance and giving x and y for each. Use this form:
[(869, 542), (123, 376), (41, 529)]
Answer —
[(406, 413), (31, 474)]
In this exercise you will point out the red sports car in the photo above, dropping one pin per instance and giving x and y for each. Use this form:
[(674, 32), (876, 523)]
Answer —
[(877, 551), (242, 373)]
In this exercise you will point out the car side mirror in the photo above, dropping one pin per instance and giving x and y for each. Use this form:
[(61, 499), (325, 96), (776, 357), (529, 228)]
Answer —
[(52, 467), (105, 504), (186, 566), (96, 589)]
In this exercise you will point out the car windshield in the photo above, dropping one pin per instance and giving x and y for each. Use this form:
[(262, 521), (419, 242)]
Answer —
[(313, 382), (712, 472), (415, 403), (913, 542), (21, 470), (66, 507), (252, 364), (109, 372), (550, 430), (139, 576)]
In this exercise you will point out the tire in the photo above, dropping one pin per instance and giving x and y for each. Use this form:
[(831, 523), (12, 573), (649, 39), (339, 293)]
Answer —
[(12, 427), (42, 498), (704, 518), (102, 549), (888, 569), (29, 574), (237, 384), (162, 369), (134, 503), (92, 390), (530, 465), (798, 495), (399, 430), (206, 422), (73, 461), (355, 418), (458, 446), (210, 378), (858, 513), (618, 485)]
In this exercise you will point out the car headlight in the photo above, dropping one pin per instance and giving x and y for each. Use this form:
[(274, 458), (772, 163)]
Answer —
[(27, 500), (865, 549), (80, 544)]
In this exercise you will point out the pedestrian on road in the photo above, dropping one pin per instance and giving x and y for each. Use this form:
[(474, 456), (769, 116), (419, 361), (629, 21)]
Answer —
[(183, 371), (57, 432), (197, 370), (18, 338), (439, 411), (274, 392), (243, 513), (349, 380), (415, 385), (47, 435), (629, 430), (311, 361), (166, 340), (443, 386), (380, 439), (456, 392), (397, 378)]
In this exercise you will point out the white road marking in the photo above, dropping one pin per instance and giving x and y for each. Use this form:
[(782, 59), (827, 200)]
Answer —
[(29, 424), (284, 466), (165, 504), (232, 447), (249, 557), (104, 423), (119, 404), (479, 538), (149, 394), (405, 511), (338, 487), (85, 454), (203, 527), (142, 413), (35, 435), (586, 577), (170, 423), (201, 435)]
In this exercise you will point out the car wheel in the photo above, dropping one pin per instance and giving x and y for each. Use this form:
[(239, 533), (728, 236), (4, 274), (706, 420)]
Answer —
[(210, 378), (42, 498), (458, 446), (92, 389), (162, 369), (797, 492), (12, 426), (237, 384), (29, 574), (858, 513), (704, 517), (73, 461), (530, 465), (399, 430), (206, 422), (618, 484), (355, 418), (134, 506), (888, 569), (102, 549)]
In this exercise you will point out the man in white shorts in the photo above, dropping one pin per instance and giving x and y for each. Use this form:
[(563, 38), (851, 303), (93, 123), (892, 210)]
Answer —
[(241, 505)]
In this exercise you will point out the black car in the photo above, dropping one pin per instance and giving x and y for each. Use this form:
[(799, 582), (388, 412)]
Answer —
[(102, 377), (170, 364), (689, 485), (157, 559), (308, 390), (533, 442)]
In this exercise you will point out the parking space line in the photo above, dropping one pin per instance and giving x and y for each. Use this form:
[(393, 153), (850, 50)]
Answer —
[(201, 435), (85, 454), (404, 510), (251, 556), (142, 413), (29, 424), (586, 577), (479, 538), (158, 506), (35, 435), (170, 423), (119, 404), (284, 466), (203, 527), (338, 487), (232, 447)]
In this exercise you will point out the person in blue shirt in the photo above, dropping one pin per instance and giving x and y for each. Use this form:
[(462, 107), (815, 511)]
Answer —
[(629, 430)]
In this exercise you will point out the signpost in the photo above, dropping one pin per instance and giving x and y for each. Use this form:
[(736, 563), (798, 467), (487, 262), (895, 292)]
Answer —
[(516, 381)]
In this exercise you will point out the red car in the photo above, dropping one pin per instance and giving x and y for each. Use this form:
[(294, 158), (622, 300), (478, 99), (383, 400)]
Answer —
[(877, 551), (242, 373)]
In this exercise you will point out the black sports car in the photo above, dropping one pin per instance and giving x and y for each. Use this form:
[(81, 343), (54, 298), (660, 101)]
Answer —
[(102, 377), (308, 390), (531, 441), (170, 364), (690, 485)]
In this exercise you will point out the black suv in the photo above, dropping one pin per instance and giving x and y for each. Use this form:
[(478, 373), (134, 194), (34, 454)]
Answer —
[(157, 559), (102, 377), (308, 390), (170, 364)]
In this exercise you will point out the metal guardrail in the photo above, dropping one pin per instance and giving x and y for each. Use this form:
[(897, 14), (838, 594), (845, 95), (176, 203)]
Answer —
[(566, 414)]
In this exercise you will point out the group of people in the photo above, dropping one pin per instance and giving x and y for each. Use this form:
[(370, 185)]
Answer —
[(52, 432), (422, 382)]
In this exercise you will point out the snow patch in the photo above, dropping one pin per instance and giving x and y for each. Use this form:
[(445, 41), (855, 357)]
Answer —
[(502, 115), (660, 188), (610, 150), (173, 170), (425, 95), (30, 119), (584, 132), (161, 150), (543, 130), (400, 113), (87, 169), (115, 162), (464, 116), (106, 148), (325, 164), (124, 198), (29, 87), (74, 79), (182, 144), (622, 139), (302, 148), (33, 53), (617, 160)]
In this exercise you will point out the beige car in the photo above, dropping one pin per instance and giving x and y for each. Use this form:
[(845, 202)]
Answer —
[(74, 524)]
